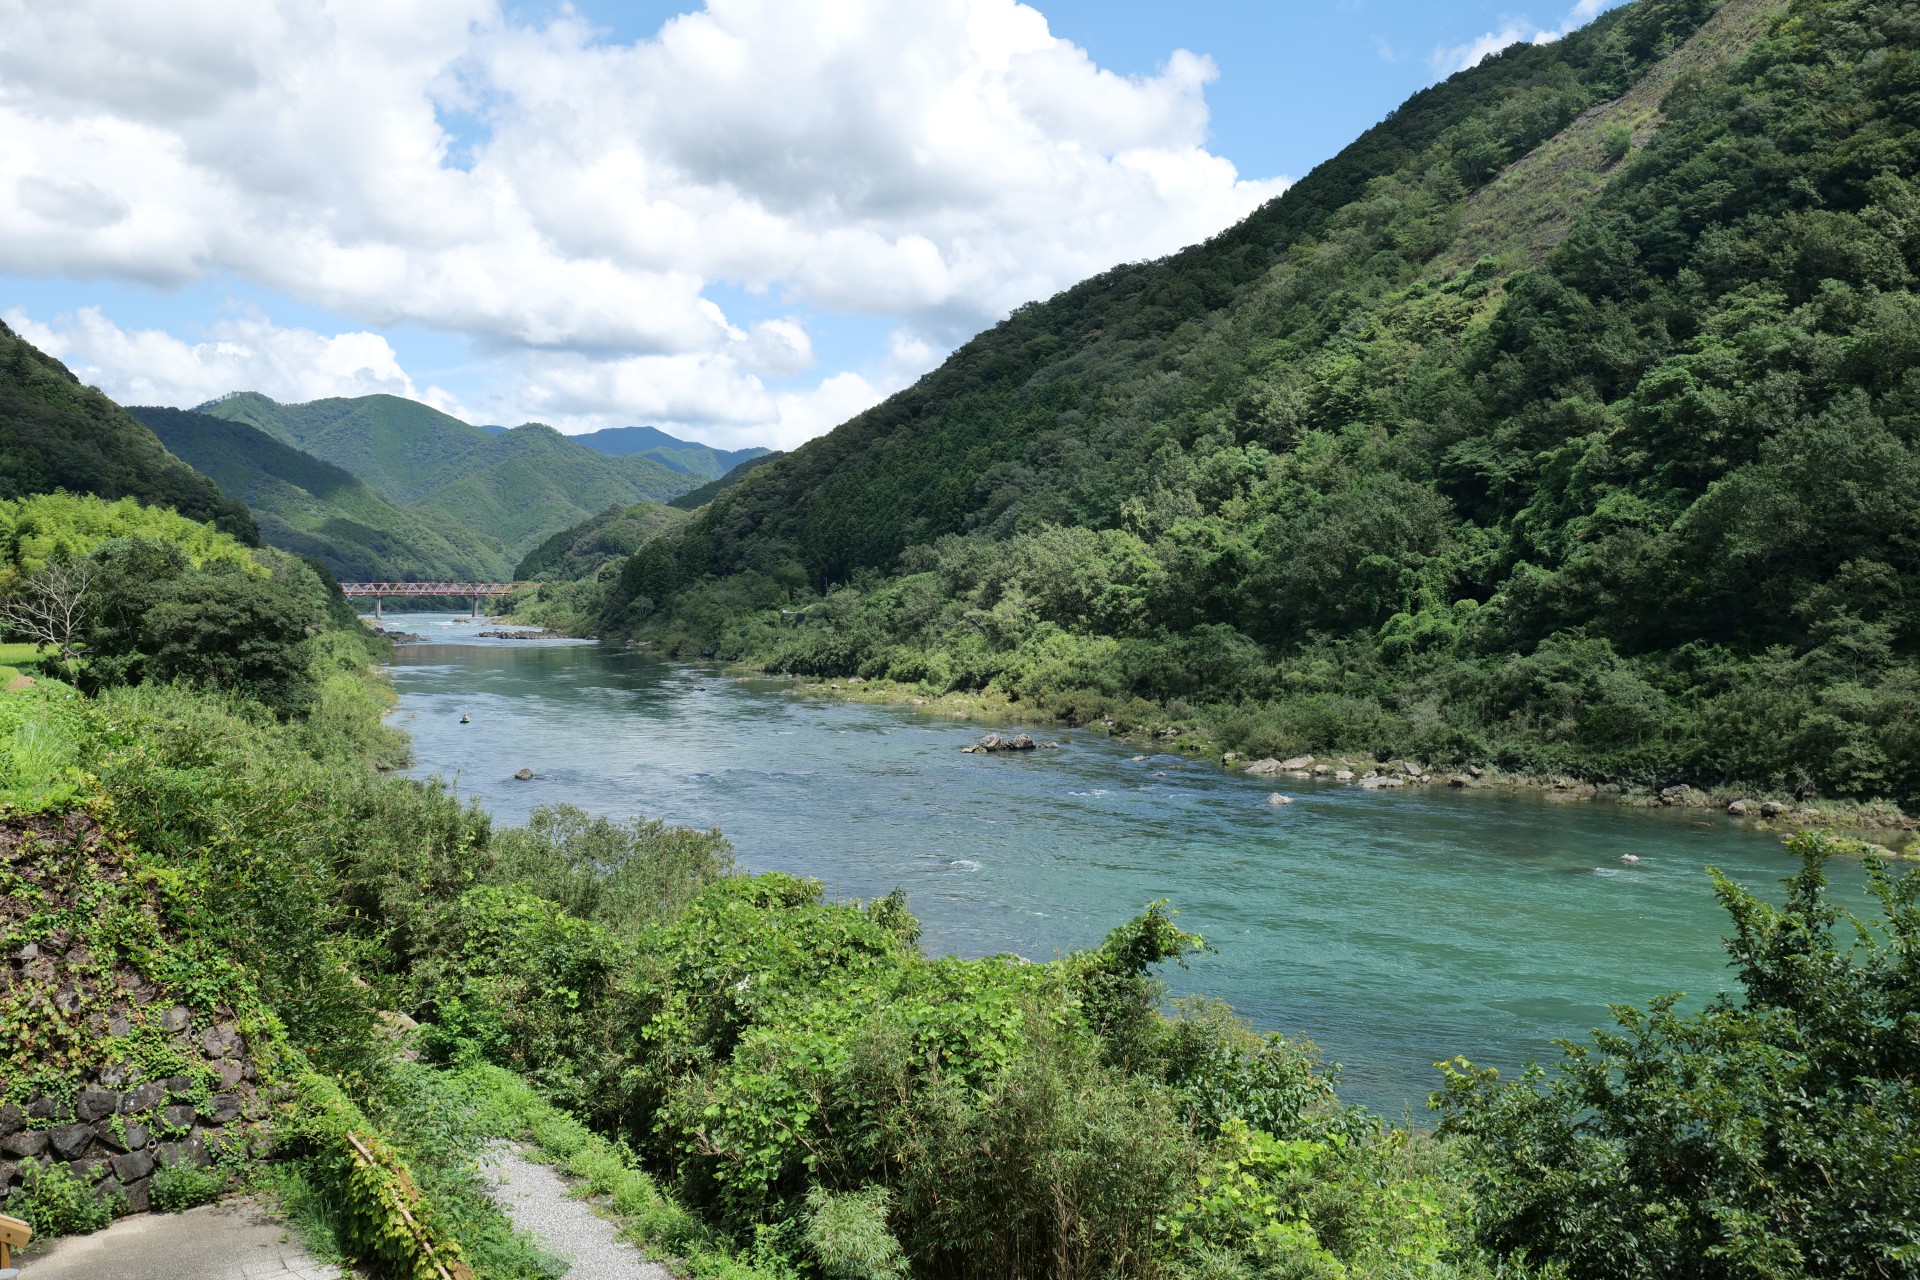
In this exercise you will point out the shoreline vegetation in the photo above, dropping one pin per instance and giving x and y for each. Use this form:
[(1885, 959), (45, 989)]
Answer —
[(1759, 810), (764, 1083)]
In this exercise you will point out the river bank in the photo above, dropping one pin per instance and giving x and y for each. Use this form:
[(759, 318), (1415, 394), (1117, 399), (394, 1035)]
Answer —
[(1888, 829), (1393, 927)]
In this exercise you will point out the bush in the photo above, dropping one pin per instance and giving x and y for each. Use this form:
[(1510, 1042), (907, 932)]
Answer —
[(56, 1203), (847, 1235), (180, 1186), (1772, 1133)]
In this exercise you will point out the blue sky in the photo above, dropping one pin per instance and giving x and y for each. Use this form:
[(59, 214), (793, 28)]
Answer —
[(743, 232)]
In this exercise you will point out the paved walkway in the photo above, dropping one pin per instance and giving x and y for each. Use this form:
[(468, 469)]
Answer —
[(536, 1199), (236, 1240)]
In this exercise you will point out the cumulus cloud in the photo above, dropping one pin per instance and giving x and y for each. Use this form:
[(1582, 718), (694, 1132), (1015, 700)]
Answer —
[(1448, 59), (542, 190), (150, 366)]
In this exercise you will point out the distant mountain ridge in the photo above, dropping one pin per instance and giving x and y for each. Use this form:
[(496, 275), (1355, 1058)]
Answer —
[(514, 487), (691, 457), (316, 509)]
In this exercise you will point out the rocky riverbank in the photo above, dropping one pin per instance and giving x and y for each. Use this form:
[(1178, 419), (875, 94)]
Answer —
[(1897, 833)]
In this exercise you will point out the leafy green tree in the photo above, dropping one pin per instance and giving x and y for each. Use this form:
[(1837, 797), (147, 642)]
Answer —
[(1774, 1133)]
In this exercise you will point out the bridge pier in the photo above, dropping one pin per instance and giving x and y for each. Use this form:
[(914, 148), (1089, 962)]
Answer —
[(476, 608), (377, 615)]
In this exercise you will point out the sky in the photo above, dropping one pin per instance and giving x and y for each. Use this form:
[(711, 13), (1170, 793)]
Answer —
[(742, 223)]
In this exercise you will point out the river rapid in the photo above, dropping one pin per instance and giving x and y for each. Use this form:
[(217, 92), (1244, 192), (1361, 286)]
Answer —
[(1395, 928)]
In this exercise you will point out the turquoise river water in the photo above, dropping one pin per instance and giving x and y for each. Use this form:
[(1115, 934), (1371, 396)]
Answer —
[(1395, 928)]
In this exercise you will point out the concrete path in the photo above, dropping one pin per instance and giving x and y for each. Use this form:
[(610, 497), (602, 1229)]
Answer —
[(235, 1240), (536, 1199)]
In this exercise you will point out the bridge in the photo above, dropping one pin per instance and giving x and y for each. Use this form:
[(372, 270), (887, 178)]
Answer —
[(475, 591)]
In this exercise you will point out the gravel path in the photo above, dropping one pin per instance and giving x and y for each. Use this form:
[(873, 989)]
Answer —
[(535, 1199)]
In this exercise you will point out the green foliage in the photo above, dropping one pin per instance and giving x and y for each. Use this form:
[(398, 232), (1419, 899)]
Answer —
[(315, 509), (181, 1186), (55, 1203), (56, 434), (847, 1235), (503, 1105), (694, 499), (514, 488), (1772, 1133), (1625, 504), (46, 527), (625, 877)]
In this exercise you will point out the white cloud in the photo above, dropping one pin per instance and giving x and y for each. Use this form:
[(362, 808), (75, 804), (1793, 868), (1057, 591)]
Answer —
[(149, 366), (1448, 59), (937, 163)]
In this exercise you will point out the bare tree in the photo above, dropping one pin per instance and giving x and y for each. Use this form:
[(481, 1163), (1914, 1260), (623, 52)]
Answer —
[(49, 607)]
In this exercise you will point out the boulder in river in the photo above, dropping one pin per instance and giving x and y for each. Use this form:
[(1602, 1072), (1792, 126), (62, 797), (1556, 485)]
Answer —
[(1343, 775), (1264, 768), (1375, 784), (1006, 742), (1738, 808), (1772, 809), (525, 775), (1297, 762), (1279, 801)]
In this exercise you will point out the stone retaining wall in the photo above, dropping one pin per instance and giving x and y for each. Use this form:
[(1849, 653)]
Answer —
[(116, 1130)]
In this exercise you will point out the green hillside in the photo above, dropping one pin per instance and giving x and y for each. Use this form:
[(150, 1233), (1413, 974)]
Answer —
[(587, 548), (691, 457), (695, 498), (515, 487), (57, 434), (313, 508), (1565, 421)]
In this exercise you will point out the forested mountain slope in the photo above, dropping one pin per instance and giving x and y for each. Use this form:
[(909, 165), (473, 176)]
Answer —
[(57, 434), (515, 487), (1616, 481), (313, 508)]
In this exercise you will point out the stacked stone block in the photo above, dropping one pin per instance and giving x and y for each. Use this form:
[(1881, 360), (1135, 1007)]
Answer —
[(116, 1130)]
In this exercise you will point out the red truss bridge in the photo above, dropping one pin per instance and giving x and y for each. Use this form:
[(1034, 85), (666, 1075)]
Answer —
[(474, 591)]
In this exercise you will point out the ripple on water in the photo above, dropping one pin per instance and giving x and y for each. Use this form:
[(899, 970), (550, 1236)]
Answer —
[(1397, 928)]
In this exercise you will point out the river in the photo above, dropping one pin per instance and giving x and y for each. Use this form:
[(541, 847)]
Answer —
[(1394, 928)]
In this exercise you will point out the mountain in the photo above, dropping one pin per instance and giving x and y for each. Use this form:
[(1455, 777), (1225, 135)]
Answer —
[(313, 508), (515, 487), (700, 497), (583, 551), (1567, 420), (57, 434), (687, 456)]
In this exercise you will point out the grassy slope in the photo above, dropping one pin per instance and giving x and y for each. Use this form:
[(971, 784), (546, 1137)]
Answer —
[(314, 508), (58, 434), (515, 487)]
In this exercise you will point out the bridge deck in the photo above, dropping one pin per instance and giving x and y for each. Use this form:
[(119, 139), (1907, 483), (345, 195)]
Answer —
[(434, 588)]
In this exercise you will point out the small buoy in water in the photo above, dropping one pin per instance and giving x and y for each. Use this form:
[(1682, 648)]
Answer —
[(1277, 800), (463, 719), (1629, 858)]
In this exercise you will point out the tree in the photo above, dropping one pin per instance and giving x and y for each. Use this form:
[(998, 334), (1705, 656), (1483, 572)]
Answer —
[(50, 608), (1776, 1134)]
